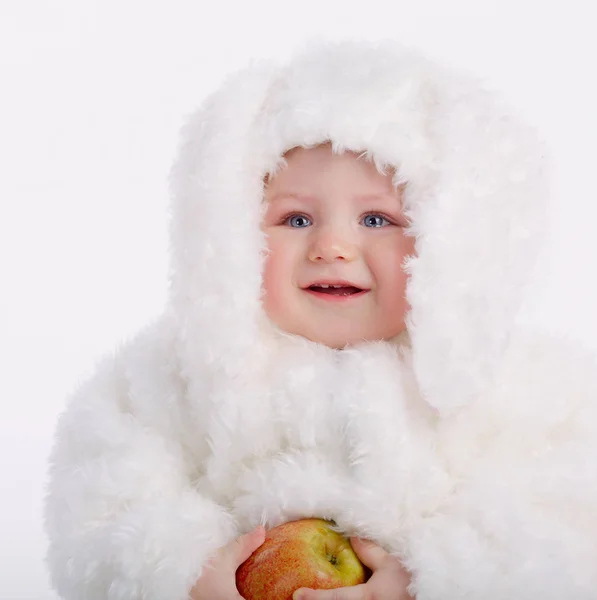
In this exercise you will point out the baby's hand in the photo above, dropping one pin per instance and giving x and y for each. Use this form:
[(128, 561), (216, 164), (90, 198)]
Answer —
[(389, 581), (218, 580)]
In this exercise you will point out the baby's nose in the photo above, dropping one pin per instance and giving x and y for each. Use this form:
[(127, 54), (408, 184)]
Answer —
[(330, 247)]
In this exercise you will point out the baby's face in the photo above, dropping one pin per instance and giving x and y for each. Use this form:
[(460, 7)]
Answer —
[(336, 242)]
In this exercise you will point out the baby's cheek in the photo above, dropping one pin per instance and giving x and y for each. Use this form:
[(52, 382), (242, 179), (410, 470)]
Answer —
[(391, 282), (267, 282), (273, 283)]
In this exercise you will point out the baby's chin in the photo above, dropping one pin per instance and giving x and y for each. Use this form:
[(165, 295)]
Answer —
[(344, 343), (341, 333), (339, 340)]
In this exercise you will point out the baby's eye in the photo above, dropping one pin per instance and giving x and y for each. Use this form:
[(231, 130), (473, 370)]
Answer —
[(298, 221), (375, 221)]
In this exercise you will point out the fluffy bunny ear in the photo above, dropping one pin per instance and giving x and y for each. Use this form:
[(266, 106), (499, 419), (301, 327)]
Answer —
[(476, 191), (215, 239), (479, 235)]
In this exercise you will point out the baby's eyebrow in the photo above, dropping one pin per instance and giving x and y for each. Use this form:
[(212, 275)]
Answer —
[(374, 197), (293, 196)]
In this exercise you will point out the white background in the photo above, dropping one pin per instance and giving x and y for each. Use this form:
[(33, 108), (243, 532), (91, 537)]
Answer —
[(92, 95)]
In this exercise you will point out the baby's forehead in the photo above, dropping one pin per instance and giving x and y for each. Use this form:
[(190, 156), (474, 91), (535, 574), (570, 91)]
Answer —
[(302, 169)]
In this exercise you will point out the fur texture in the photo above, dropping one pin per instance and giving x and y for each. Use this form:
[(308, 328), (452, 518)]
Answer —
[(465, 447)]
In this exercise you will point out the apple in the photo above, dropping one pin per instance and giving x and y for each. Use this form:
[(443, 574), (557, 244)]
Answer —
[(305, 553)]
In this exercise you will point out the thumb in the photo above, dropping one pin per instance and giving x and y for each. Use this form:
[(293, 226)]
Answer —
[(369, 553), (242, 547)]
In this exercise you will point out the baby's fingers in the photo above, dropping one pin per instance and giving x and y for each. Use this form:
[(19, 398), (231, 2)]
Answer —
[(356, 592), (239, 550), (370, 554)]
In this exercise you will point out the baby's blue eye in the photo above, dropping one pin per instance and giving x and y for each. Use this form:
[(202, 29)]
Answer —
[(299, 221), (375, 221)]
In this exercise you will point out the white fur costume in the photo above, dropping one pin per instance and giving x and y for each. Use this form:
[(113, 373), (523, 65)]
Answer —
[(470, 450)]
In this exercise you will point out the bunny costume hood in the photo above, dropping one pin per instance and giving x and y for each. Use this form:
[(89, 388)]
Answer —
[(467, 448)]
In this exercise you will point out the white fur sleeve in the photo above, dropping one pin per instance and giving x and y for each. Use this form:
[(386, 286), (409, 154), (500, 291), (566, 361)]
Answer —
[(123, 521)]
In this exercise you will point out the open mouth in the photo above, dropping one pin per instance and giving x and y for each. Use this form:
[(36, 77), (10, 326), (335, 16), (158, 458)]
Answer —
[(335, 291)]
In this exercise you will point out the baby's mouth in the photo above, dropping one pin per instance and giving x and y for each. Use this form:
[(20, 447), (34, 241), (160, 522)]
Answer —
[(335, 290)]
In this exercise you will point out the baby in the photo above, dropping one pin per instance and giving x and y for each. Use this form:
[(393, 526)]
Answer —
[(337, 243), (351, 234)]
